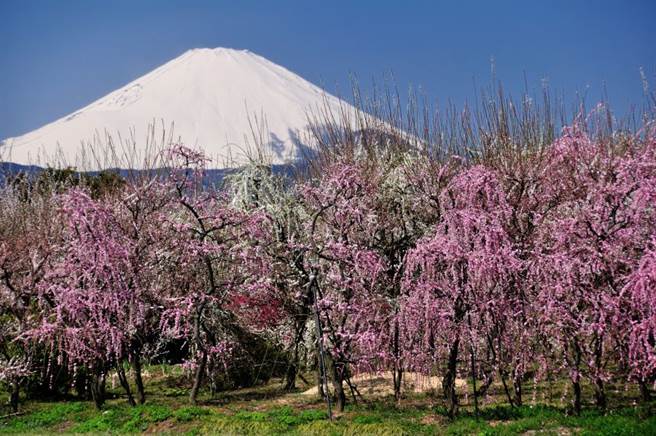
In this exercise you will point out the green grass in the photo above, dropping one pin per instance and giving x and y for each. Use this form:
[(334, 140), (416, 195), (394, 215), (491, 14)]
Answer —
[(123, 419), (377, 418), (190, 413), (46, 416), (268, 410), (282, 416)]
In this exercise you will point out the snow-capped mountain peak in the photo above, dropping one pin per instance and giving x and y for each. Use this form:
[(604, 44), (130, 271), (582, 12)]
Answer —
[(219, 100)]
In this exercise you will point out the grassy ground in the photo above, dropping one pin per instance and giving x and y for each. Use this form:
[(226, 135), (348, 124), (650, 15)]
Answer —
[(268, 410)]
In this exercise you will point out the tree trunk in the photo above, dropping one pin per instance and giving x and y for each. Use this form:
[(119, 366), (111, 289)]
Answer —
[(320, 387), (292, 370), (577, 380), (122, 378), (644, 391), (103, 385), (517, 387), (97, 388), (13, 396), (449, 381), (503, 375), (338, 385), (473, 376), (321, 357), (397, 371), (318, 366), (82, 384), (138, 380), (397, 375), (600, 394), (290, 377), (577, 397), (198, 379)]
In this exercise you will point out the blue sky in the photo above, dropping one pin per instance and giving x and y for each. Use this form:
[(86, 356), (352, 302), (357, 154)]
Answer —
[(57, 56)]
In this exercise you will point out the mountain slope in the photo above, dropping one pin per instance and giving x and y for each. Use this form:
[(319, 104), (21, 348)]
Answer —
[(220, 100)]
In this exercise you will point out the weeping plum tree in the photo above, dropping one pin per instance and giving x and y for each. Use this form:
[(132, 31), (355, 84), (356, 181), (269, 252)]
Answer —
[(221, 270), (589, 245), (140, 210), (637, 319), (27, 230), (641, 294), (98, 305), (457, 279), (344, 271), (403, 205)]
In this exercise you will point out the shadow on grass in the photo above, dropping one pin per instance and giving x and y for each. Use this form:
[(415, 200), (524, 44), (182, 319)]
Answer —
[(256, 393)]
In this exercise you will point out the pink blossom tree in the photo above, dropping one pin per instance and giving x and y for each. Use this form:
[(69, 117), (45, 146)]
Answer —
[(589, 245), (640, 291), (457, 279), (225, 281), (92, 306), (27, 229), (100, 303), (405, 203), (343, 269)]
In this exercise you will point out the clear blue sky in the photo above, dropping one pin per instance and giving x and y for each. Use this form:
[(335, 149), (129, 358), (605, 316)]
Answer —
[(59, 55)]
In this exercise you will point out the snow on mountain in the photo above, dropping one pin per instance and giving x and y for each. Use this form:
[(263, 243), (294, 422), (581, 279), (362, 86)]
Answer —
[(210, 99)]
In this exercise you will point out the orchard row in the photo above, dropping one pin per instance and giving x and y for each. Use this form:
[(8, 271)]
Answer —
[(533, 266)]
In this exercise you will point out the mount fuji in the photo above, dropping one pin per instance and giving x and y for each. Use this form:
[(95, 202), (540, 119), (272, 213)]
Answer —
[(221, 101)]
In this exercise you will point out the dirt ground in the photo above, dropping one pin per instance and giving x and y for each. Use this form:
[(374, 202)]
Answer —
[(380, 384)]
